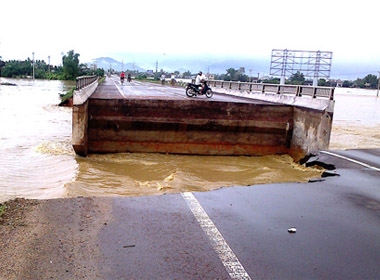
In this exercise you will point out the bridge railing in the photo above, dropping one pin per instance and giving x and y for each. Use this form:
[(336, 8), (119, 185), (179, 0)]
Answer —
[(295, 90), (84, 81), (85, 87)]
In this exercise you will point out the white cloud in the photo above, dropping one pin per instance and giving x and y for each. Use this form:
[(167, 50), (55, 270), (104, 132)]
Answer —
[(236, 28)]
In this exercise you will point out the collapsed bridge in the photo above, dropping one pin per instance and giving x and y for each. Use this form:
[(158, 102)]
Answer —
[(241, 119)]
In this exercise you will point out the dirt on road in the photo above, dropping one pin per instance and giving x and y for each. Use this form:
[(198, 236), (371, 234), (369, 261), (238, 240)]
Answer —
[(52, 239)]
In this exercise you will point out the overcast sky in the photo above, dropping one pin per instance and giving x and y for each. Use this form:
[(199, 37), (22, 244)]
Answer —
[(165, 27)]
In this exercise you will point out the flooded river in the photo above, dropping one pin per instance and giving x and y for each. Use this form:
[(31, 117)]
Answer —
[(356, 121), (37, 160)]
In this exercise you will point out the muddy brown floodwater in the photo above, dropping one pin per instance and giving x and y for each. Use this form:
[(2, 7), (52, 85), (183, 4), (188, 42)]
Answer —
[(38, 160)]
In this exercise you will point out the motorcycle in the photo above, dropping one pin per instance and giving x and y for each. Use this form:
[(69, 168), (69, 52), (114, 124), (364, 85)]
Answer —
[(194, 90), (121, 80)]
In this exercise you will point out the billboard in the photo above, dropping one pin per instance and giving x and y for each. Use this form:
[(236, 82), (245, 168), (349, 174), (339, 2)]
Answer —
[(312, 64)]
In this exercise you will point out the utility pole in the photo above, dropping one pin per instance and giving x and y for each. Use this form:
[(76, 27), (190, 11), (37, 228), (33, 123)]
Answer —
[(49, 63), (378, 85)]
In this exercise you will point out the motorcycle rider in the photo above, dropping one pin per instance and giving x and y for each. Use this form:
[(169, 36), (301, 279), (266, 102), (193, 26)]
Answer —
[(199, 79), (122, 76)]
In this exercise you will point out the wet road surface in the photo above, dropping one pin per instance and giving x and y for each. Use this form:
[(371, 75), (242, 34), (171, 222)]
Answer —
[(242, 232), (112, 89)]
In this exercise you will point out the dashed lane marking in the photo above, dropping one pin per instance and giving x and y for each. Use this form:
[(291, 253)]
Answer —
[(118, 88), (230, 261), (352, 160)]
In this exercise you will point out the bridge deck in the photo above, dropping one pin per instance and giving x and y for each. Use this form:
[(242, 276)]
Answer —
[(112, 89)]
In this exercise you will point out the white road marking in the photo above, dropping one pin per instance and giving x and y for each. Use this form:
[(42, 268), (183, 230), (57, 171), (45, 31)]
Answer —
[(230, 261), (352, 160), (118, 88)]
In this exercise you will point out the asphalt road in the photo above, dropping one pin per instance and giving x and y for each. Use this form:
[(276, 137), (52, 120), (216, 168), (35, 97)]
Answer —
[(138, 89), (242, 232)]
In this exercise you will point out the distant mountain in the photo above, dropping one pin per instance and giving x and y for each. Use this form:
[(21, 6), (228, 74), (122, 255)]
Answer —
[(109, 63), (183, 63)]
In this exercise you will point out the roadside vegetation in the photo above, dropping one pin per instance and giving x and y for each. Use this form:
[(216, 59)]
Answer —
[(3, 207), (68, 70), (72, 68), (65, 97), (370, 81)]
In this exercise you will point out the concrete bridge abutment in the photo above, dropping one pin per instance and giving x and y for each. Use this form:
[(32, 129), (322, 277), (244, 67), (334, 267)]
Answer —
[(85, 88), (258, 124)]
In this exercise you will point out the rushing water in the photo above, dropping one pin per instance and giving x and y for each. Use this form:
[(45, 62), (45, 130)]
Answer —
[(37, 160)]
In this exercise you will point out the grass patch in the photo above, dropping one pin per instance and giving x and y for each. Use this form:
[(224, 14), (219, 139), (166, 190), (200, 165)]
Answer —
[(101, 80), (3, 208), (65, 97)]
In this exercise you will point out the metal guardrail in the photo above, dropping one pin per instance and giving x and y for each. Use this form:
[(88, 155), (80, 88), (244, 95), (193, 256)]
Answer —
[(295, 90), (84, 81)]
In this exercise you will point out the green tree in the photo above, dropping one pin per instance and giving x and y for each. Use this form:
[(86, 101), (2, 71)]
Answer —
[(322, 82), (347, 84), (16, 68), (186, 74), (40, 69), (297, 78), (231, 74), (359, 83), (71, 67), (2, 64), (370, 81), (272, 81)]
